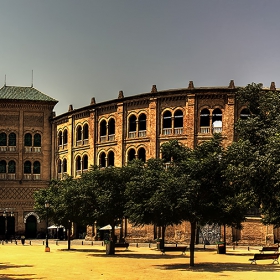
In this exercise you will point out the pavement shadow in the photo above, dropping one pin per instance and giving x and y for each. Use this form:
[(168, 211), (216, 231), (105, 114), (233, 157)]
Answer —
[(221, 267), (26, 276)]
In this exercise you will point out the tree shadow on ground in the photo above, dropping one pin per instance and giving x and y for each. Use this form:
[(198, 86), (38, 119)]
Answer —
[(12, 276), (221, 267)]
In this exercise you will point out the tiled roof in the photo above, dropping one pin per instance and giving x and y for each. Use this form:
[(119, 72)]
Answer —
[(23, 93)]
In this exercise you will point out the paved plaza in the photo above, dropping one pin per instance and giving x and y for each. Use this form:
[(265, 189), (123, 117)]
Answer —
[(88, 261)]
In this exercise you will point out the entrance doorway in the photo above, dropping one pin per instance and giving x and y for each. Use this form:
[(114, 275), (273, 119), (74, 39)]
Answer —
[(31, 227)]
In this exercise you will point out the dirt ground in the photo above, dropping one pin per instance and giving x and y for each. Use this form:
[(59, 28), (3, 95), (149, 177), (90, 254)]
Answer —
[(137, 263)]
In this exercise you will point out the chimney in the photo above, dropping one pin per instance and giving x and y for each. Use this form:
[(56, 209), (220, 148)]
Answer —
[(70, 108), (154, 89), (272, 86), (191, 86), (92, 102), (231, 84), (120, 94)]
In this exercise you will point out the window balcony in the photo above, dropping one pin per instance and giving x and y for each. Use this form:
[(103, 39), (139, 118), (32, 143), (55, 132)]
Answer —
[(3, 176), (64, 145), (132, 134), (205, 129), (3, 148), (27, 176), (217, 129), (142, 133), (167, 131), (36, 176), (112, 137), (178, 130), (103, 138), (79, 143), (11, 176), (78, 172), (37, 149), (12, 148), (85, 141), (28, 149)]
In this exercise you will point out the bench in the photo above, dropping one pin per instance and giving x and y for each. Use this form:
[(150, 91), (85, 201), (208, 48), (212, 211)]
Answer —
[(121, 245), (269, 249), (257, 257), (182, 249)]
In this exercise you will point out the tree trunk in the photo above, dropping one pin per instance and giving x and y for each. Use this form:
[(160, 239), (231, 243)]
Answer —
[(192, 243), (163, 228)]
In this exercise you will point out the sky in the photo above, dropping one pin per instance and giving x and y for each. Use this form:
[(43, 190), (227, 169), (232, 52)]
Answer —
[(79, 49)]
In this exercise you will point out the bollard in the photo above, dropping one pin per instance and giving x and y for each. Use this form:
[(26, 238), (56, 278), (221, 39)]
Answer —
[(30, 242), (56, 242), (91, 243), (149, 245), (16, 242), (43, 242), (248, 248), (82, 242)]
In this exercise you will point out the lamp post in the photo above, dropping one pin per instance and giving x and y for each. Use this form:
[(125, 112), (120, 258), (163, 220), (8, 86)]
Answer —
[(5, 215), (47, 206)]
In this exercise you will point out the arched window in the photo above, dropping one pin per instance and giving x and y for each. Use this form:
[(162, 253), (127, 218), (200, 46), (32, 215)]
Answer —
[(167, 123), (205, 121), (37, 140), (244, 114), (27, 167), (142, 154), (12, 139), (142, 125), (12, 167), (103, 131), (85, 132), (85, 162), (111, 158), (132, 126), (65, 136), (28, 140), (111, 129), (3, 139), (79, 135), (131, 155), (59, 166), (3, 166), (78, 163), (64, 165), (178, 122), (142, 122), (60, 138), (36, 167), (217, 121), (102, 160)]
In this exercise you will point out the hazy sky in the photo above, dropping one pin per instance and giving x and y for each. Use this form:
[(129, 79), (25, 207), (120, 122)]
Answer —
[(79, 49)]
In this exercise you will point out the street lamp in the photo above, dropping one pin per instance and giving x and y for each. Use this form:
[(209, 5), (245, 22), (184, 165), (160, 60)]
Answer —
[(47, 206), (5, 215)]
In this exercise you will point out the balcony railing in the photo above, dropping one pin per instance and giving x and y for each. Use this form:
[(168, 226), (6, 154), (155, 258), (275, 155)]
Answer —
[(28, 149), (132, 134), (103, 138), (142, 133), (205, 129), (3, 176), (85, 141), (167, 131), (11, 176), (78, 172), (3, 148), (12, 148), (27, 176), (36, 176), (178, 130), (217, 129), (79, 143), (112, 137), (37, 149)]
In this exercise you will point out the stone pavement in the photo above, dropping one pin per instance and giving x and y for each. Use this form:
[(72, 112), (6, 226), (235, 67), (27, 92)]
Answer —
[(88, 260)]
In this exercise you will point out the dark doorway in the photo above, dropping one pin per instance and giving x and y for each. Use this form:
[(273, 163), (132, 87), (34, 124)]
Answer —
[(31, 227)]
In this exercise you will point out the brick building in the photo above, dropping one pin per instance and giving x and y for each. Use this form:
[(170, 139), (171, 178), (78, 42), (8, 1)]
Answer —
[(36, 146), (114, 132), (25, 157)]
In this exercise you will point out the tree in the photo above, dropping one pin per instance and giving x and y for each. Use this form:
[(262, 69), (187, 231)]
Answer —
[(65, 202), (104, 196), (152, 196), (259, 135)]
